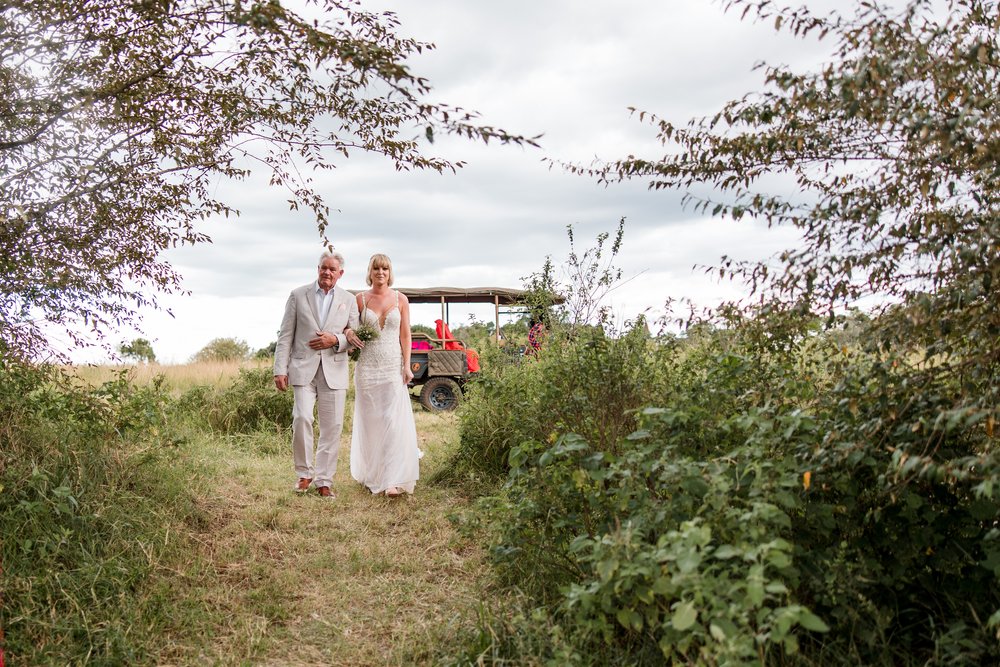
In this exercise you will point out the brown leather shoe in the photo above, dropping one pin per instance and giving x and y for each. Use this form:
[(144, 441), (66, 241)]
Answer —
[(303, 484), (325, 492)]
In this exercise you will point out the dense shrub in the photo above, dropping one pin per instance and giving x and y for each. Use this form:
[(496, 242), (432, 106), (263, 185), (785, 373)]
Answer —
[(768, 507), (881, 455), (590, 383), (900, 536), (896, 539), (249, 404), (84, 496), (654, 554)]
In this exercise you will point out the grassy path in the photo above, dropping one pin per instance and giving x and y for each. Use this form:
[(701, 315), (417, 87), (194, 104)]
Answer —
[(277, 578)]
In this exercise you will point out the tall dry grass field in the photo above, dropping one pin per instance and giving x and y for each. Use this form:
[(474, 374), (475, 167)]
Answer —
[(178, 377)]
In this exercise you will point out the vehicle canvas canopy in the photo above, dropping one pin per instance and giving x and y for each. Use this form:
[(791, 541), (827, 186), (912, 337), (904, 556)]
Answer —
[(511, 299)]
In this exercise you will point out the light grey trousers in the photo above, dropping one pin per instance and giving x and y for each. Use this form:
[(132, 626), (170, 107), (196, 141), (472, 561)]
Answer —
[(329, 404)]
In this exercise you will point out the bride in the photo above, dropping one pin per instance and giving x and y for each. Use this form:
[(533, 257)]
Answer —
[(384, 453)]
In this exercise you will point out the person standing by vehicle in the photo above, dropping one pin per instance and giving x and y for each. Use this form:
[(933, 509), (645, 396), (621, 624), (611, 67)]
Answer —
[(536, 333), (384, 453), (311, 356)]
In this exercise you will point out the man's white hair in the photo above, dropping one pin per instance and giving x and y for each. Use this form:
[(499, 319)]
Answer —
[(331, 253)]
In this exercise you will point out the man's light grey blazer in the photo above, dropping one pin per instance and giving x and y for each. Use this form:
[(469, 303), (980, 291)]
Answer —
[(293, 356)]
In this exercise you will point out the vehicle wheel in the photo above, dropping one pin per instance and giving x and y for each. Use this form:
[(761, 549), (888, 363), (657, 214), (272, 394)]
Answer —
[(440, 394)]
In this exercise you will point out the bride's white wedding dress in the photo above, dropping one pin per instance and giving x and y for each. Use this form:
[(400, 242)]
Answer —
[(384, 451)]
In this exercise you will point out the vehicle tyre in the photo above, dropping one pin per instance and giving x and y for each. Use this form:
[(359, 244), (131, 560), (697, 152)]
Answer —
[(440, 394)]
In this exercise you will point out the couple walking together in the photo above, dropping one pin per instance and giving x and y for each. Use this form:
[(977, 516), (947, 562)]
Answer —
[(318, 330)]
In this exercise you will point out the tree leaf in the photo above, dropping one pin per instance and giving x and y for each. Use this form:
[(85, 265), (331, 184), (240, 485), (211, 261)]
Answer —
[(684, 616), (811, 621)]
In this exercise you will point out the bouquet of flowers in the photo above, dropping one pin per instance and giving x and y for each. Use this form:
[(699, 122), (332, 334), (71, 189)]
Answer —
[(365, 332)]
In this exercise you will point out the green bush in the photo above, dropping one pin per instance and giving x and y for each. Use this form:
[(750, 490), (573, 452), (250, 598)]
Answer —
[(858, 483), (655, 555), (595, 525), (590, 384), (85, 498), (899, 536), (249, 404), (771, 507)]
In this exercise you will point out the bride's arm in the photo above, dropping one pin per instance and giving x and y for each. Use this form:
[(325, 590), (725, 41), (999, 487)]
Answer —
[(404, 337), (354, 321)]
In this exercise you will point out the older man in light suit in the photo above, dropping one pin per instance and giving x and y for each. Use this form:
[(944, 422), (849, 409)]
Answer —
[(311, 355)]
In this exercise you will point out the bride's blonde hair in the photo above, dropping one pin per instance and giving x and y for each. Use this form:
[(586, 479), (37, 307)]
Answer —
[(379, 261)]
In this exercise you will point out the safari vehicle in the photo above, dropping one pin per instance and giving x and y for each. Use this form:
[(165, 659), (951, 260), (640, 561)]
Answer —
[(441, 365), (440, 373)]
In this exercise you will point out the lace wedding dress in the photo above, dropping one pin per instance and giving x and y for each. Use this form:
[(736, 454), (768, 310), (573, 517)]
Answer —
[(384, 452)]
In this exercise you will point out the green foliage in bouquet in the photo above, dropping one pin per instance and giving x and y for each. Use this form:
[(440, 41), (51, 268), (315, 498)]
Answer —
[(366, 332)]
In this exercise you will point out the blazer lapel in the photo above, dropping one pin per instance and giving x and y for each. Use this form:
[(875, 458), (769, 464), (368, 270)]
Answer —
[(311, 298)]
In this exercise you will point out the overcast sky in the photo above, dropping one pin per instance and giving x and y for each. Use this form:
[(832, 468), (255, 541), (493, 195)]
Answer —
[(565, 69)]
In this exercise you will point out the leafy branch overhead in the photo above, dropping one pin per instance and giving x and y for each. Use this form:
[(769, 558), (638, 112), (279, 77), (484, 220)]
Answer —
[(117, 120), (893, 146)]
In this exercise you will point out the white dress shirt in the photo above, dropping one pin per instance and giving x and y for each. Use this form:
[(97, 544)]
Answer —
[(323, 302)]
